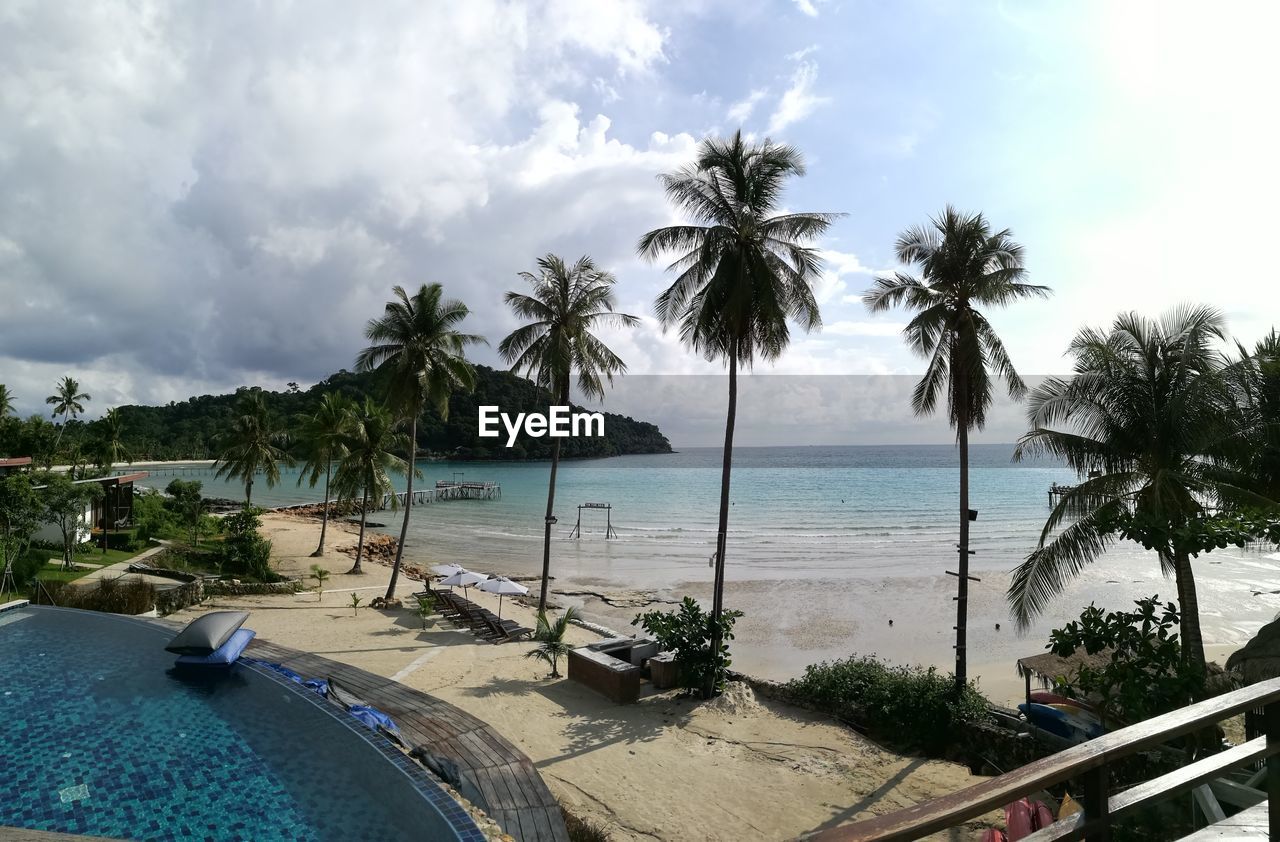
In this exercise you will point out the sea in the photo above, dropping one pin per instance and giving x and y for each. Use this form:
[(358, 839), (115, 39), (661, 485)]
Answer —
[(826, 546), (874, 510)]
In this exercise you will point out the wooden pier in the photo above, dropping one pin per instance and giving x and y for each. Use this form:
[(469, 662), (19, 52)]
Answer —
[(447, 489), (1057, 491), (419, 497)]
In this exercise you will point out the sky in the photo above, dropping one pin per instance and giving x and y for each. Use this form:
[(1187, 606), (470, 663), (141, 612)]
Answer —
[(197, 196)]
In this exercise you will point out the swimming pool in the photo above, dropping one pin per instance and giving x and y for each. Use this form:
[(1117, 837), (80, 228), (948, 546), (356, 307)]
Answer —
[(99, 736)]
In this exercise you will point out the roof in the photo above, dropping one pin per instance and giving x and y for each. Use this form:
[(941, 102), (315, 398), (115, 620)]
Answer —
[(1259, 659), (15, 462), (1048, 667), (126, 478)]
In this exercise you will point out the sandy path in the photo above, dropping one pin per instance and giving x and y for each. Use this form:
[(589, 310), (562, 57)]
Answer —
[(665, 768)]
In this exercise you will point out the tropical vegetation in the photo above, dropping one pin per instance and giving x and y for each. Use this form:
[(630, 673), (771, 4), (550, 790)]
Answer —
[(418, 346), (320, 438), (565, 304), (1143, 672), (368, 447), (686, 633), (253, 443), (67, 401), (744, 271), (963, 264), (912, 707), (1150, 422), (549, 635)]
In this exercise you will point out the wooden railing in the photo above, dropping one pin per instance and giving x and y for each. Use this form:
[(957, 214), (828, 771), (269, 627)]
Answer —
[(1089, 763)]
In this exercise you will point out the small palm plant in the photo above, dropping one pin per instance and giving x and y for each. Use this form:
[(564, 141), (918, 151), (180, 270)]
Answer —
[(550, 639), (321, 576), (355, 604), (425, 609)]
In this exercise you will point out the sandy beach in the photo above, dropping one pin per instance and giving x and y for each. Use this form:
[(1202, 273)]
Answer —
[(665, 768)]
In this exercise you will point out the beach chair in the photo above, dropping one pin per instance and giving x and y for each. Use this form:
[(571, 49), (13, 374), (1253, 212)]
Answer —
[(505, 630)]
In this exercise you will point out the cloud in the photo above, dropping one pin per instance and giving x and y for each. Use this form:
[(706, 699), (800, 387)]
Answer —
[(799, 100), (740, 111), (195, 199), (808, 7), (848, 328)]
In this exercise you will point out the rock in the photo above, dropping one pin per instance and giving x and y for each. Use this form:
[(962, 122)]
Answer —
[(383, 603)]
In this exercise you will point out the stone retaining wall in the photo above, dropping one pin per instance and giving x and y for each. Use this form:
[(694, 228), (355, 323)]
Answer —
[(221, 588)]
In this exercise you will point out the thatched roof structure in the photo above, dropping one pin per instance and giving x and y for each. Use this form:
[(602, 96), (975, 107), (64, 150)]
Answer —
[(1259, 659), (1048, 667)]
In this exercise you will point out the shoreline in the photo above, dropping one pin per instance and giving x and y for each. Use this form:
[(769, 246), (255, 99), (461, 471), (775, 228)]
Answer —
[(791, 624)]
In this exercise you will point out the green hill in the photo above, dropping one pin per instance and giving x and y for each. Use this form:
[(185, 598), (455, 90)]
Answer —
[(186, 430)]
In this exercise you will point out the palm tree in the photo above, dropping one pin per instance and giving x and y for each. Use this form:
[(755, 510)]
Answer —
[(321, 440), (550, 639), (566, 304), (1255, 380), (418, 343), (963, 265), (6, 401), (366, 449), (111, 447), (253, 445), (67, 401), (1147, 403), (742, 271)]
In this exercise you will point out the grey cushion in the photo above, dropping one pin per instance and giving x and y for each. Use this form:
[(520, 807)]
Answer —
[(205, 634)]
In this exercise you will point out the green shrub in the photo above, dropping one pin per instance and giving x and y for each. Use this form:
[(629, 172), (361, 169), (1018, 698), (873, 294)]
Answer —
[(109, 595), (1144, 675), (909, 706), (687, 633), (26, 567), (244, 552)]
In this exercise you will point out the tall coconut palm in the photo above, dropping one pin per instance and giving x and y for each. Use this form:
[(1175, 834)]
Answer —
[(418, 344), (321, 439), (367, 448), (67, 401), (253, 445), (963, 265), (111, 447), (1147, 403), (742, 271), (566, 304), (6, 401)]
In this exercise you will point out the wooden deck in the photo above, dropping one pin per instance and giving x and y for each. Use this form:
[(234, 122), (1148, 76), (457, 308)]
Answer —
[(1244, 826), (513, 794)]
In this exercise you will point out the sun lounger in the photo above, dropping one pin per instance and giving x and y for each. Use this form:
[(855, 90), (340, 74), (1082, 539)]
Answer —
[(504, 630)]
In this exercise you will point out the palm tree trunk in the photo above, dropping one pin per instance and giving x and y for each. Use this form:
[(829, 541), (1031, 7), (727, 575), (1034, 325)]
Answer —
[(1189, 606), (324, 515), (717, 598), (546, 533), (408, 504), (364, 514), (962, 595), (248, 492)]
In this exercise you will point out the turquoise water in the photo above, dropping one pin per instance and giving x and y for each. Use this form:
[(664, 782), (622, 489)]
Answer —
[(855, 510), (826, 545)]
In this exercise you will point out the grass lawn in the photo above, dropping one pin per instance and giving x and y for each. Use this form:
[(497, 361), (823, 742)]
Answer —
[(97, 556)]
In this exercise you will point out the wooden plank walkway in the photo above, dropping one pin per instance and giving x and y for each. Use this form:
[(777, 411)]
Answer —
[(1245, 826), (512, 792)]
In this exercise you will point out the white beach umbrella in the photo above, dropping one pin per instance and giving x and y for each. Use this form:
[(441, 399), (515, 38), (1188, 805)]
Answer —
[(447, 569), (465, 579), (502, 586)]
